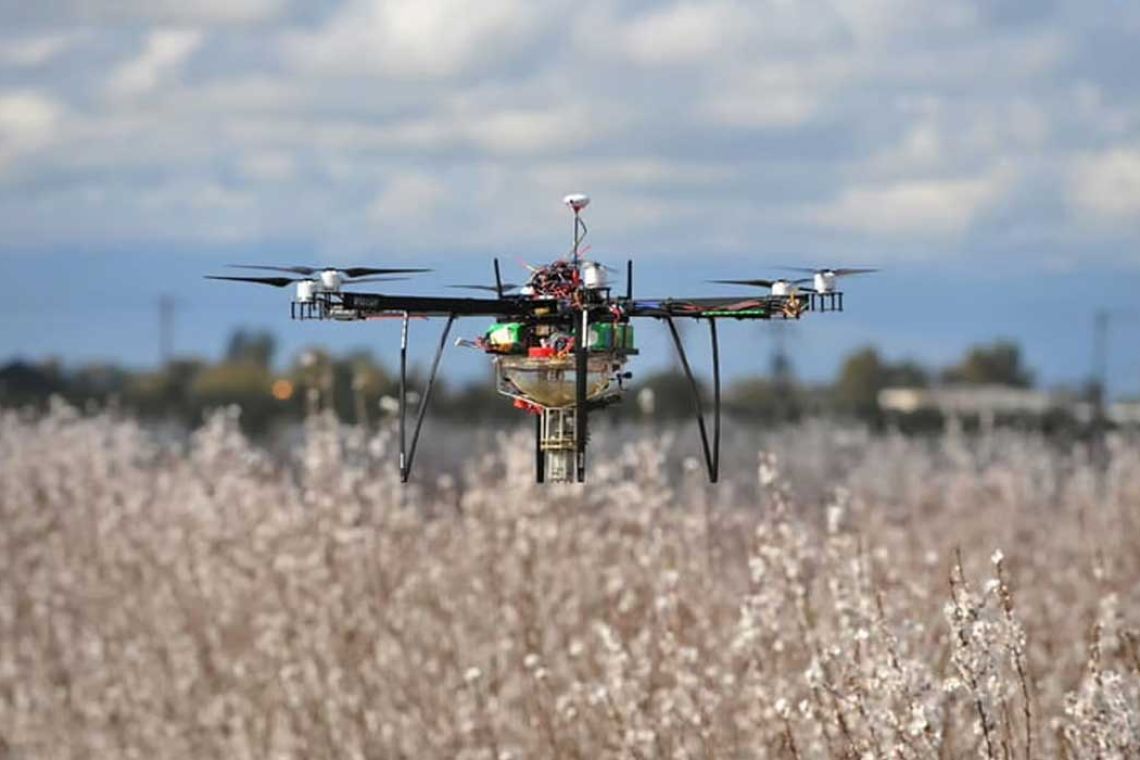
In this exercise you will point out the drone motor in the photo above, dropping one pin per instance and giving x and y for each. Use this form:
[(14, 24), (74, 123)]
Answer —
[(306, 291), (331, 280), (594, 276), (783, 288), (824, 281)]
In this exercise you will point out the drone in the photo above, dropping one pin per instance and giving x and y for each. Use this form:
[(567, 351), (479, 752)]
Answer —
[(559, 343)]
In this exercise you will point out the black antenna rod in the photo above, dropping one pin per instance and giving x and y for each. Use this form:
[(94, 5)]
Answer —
[(498, 279), (629, 279)]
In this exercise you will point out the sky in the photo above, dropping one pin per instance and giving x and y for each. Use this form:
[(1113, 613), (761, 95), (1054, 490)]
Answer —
[(985, 154)]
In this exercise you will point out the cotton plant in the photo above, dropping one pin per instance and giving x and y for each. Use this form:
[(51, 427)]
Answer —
[(838, 595)]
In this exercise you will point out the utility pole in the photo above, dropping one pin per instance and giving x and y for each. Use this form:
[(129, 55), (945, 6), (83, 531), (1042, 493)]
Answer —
[(165, 328), (1099, 377)]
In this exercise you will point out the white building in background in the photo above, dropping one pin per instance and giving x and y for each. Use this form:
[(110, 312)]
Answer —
[(1125, 413), (990, 401)]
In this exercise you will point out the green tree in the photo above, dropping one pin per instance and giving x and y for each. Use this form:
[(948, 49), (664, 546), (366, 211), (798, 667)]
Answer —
[(672, 394), (251, 346), (243, 383), (998, 363), (861, 377)]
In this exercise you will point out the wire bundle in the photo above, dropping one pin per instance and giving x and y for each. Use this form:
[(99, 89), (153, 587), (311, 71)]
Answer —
[(557, 280)]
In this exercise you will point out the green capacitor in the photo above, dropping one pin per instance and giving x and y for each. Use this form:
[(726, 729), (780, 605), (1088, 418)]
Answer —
[(601, 337)]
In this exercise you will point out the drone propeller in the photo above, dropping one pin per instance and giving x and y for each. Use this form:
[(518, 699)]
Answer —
[(753, 283), (346, 271), (280, 282), (277, 282), (375, 279), (839, 272), (491, 288), (780, 287), (761, 283)]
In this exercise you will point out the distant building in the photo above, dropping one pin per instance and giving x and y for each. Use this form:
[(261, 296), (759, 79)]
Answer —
[(1125, 413), (988, 402)]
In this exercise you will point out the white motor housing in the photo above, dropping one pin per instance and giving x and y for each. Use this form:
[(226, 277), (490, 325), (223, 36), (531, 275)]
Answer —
[(306, 291), (783, 288), (331, 280), (594, 275), (824, 281)]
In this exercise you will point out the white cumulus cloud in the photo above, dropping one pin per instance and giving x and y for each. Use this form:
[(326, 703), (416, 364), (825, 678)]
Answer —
[(164, 53), (408, 198), (921, 208), (178, 12), (35, 50), (1106, 186), (682, 33), (28, 121), (415, 38)]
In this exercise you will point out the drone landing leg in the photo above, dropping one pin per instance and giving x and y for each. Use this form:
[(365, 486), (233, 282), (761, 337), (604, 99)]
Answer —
[(403, 393), (421, 410), (539, 455), (581, 356), (712, 455), (715, 469)]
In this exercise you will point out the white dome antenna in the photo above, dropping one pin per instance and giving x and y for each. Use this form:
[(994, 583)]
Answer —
[(577, 201)]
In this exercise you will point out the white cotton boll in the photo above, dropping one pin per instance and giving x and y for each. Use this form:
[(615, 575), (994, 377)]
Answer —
[(834, 518)]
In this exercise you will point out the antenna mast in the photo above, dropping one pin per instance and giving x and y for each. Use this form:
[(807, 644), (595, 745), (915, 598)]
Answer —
[(577, 202)]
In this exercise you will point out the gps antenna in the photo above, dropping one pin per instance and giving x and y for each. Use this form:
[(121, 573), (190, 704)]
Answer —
[(577, 202)]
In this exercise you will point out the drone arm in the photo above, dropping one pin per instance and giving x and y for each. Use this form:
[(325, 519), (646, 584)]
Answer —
[(582, 412), (376, 305)]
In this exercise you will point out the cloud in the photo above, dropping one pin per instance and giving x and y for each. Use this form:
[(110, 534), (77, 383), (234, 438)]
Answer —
[(697, 125), (28, 121), (164, 53), (916, 208), (269, 166), (415, 39), (171, 12), (771, 106), (682, 33), (35, 50), (1106, 186), (408, 198)]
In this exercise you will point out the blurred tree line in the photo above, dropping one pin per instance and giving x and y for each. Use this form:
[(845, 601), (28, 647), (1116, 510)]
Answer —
[(361, 390)]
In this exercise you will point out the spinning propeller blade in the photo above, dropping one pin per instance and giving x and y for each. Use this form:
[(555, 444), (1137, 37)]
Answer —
[(840, 272), (754, 283), (375, 279), (277, 282), (491, 288), (347, 271)]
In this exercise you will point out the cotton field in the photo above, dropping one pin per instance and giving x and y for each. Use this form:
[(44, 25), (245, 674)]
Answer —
[(841, 595)]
